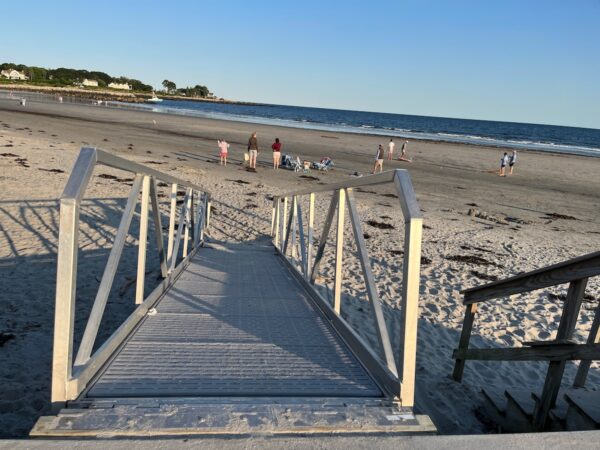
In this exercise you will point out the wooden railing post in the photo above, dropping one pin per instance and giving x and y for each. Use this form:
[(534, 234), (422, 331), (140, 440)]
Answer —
[(593, 338), (556, 369), (339, 252), (465, 337), (285, 212), (188, 218)]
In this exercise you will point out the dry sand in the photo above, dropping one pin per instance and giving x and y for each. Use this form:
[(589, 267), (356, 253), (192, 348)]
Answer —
[(39, 144)]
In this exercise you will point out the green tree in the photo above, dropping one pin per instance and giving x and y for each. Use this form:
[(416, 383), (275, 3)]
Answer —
[(169, 85)]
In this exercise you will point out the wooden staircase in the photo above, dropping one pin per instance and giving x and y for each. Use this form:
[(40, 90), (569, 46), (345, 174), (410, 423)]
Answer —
[(514, 412)]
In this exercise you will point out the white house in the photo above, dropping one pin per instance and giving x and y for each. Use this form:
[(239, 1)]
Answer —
[(13, 74), (123, 86), (89, 83)]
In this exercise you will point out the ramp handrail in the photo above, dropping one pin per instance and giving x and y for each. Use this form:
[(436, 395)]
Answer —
[(397, 382), (69, 377), (576, 272)]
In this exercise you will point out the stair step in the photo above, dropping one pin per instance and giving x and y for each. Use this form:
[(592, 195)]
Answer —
[(495, 406), (583, 410), (557, 414), (220, 419)]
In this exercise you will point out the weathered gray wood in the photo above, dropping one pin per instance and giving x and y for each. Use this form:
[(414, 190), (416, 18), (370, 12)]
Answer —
[(91, 329), (311, 225), (558, 352), (593, 338), (556, 369), (324, 236), (585, 266), (172, 218), (363, 257), (80, 175), (66, 285), (158, 232), (409, 313), (465, 337), (339, 252), (142, 241), (182, 223), (369, 180)]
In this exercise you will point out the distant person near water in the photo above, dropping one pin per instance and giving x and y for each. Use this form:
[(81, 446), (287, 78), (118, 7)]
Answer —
[(390, 154), (503, 163), (403, 154), (511, 162), (252, 150), (276, 153), (379, 159), (224, 148)]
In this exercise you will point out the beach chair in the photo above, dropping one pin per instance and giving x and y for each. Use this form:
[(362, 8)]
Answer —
[(324, 165)]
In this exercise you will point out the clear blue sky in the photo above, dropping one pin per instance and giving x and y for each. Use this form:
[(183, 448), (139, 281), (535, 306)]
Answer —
[(521, 61)]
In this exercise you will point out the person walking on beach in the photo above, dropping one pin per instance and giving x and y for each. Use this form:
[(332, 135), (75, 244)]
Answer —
[(379, 159), (403, 155), (223, 149), (276, 153), (253, 150), (503, 163), (512, 161), (391, 146)]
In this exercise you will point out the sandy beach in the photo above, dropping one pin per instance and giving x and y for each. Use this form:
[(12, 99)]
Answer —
[(548, 211)]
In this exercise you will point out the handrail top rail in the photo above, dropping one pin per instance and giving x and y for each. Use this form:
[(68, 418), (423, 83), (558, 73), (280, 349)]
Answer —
[(410, 206), (584, 266), (90, 156), (381, 178)]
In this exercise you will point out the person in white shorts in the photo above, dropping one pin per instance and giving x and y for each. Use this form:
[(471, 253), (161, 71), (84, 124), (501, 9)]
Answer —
[(253, 150), (390, 154), (379, 159)]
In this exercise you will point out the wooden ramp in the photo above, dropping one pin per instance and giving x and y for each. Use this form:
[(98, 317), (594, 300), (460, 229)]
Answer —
[(235, 346)]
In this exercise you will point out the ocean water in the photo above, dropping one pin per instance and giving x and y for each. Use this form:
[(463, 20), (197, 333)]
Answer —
[(581, 141), (558, 139)]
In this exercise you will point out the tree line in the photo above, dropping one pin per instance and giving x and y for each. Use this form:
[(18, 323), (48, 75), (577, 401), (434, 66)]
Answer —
[(67, 77), (195, 91)]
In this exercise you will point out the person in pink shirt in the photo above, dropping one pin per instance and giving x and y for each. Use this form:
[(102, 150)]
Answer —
[(223, 149)]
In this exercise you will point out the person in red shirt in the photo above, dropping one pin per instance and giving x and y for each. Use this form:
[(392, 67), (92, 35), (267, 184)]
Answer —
[(276, 153)]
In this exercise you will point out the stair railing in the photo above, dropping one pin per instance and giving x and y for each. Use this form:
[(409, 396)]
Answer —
[(290, 232), (557, 351), (69, 378)]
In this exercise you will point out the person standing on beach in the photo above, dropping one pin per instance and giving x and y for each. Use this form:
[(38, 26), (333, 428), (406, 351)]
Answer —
[(391, 146), (512, 161), (223, 149), (276, 153), (379, 159), (403, 156), (503, 162), (253, 150)]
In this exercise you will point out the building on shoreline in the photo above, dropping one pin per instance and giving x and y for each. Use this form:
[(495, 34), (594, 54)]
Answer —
[(13, 74), (122, 86), (89, 83)]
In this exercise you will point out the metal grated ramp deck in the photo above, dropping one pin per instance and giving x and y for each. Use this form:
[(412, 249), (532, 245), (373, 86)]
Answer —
[(236, 323)]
